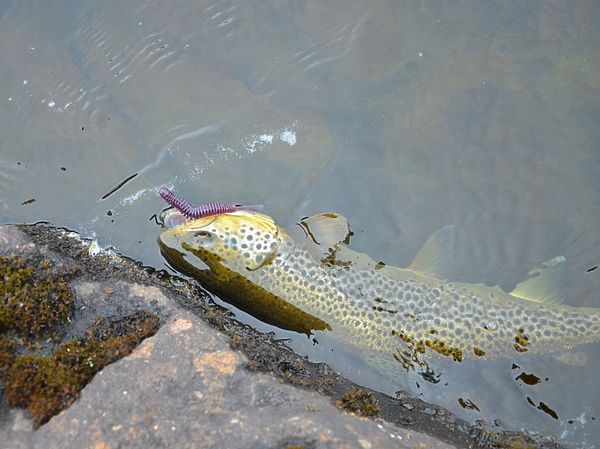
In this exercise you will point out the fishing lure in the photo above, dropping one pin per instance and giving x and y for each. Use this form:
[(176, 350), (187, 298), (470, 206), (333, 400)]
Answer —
[(202, 210)]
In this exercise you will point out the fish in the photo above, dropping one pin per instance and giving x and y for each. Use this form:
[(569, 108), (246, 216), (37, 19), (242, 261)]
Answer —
[(306, 278)]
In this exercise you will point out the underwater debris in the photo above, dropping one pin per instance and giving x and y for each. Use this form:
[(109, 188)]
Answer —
[(359, 401)]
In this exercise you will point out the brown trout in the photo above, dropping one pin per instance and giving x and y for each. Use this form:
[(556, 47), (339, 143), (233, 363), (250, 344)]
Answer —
[(307, 278)]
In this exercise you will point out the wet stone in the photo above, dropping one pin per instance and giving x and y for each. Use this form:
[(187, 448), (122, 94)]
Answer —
[(12, 240), (185, 385)]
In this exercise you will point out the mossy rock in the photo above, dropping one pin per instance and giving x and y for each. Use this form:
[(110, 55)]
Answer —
[(7, 356), (32, 302), (47, 385)]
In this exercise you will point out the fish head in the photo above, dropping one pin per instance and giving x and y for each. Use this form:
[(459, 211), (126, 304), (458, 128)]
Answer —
[(226, 253), (241, 240)]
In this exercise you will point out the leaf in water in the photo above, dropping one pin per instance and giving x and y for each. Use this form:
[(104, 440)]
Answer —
[(529, 379), (468, 404)]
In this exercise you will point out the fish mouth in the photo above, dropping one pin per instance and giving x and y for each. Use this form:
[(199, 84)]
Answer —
[(171, 218)]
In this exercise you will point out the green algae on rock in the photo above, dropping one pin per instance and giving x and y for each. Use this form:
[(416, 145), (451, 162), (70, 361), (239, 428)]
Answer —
[(7, 356), (359, 401), (32, 302), (47, 385)]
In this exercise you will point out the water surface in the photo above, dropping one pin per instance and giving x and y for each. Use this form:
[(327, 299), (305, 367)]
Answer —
[(402, 116)]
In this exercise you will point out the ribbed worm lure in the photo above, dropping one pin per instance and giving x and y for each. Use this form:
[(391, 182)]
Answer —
[(202, 210)]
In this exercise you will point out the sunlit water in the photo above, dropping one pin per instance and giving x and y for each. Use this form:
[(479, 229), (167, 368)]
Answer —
[(403, 116)]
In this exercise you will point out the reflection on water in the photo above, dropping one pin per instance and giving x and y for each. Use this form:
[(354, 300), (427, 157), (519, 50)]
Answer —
[(403, 117)]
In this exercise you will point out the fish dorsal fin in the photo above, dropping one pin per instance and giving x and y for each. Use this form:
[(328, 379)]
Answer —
[(320, 233), (327, 229), (546, 285), (436, 256)]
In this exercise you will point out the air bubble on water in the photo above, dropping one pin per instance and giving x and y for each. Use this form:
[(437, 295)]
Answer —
[(267, 138), (128, 200), (288, 137)]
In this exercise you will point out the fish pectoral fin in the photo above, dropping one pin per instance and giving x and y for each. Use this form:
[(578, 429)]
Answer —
[(320, 233), (547, 284), (436, 257)]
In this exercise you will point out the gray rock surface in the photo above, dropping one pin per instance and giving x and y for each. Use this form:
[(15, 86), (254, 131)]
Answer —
[(185, 388)]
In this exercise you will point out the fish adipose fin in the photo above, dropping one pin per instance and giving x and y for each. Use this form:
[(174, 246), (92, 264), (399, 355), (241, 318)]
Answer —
[(321, 232), (546, 285), (436, 257)]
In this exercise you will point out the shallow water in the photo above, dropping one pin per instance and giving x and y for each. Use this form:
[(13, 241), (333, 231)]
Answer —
[(402, 117)]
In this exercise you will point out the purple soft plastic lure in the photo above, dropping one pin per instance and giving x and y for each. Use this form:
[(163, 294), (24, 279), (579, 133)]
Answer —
[(202, 210)]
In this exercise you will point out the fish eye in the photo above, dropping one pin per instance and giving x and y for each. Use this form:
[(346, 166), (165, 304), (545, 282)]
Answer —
[(203, 234)]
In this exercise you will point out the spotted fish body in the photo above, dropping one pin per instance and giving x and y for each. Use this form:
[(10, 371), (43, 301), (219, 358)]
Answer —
[(388, 313)]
